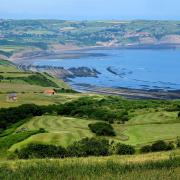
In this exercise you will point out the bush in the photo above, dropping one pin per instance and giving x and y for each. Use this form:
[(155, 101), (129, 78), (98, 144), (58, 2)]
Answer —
[(102, 129), (170, 146), (145, 149), (123, 149), (179, 115), (89, 147), (159, 146), (178, 142), (41, 151)]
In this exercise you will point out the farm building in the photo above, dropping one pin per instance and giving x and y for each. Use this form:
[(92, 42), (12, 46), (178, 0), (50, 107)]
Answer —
[(12, 97), (49, 92)]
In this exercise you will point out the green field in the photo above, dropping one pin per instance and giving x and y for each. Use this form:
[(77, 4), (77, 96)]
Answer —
[(63, 130)]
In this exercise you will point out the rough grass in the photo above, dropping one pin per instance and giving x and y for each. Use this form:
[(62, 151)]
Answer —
[(156, 166)]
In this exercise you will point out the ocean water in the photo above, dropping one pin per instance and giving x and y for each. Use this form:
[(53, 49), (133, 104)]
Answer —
[(139, 69)]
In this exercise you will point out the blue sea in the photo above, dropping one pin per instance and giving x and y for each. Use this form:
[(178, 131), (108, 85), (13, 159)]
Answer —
[(137, 69)]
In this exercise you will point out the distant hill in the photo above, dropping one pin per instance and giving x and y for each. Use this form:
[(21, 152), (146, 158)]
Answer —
[(30, 38), (13, 79)]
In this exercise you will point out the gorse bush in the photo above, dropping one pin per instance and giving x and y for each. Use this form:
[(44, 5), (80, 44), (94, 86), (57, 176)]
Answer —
[(102, 129), (123, 149)]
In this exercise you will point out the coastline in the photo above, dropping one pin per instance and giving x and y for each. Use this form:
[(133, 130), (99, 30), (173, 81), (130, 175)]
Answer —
[(124, 92), (77, 51), (154, 94)]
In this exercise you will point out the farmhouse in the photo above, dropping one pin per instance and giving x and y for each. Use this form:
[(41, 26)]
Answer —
[(49, 92)]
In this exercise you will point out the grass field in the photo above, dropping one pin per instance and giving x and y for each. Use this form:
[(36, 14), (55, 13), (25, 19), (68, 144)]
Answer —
[(153, 166), (63, 130), (149, 127), (37, 98)]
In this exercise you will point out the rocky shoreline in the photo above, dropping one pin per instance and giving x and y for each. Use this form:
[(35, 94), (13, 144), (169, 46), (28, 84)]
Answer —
[(154, 94)]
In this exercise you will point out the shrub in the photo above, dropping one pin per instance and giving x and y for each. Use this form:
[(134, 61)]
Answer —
[(41, 151), (178, 142), (159, 146), (170, 146), (123, 149), (89, 147), (179, 115), (102, 129), (145, 149)]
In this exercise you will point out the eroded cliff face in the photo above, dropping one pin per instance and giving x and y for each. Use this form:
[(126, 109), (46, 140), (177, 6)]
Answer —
[(63, 73)]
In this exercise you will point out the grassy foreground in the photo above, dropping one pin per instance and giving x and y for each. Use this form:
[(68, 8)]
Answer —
[(155, 166)]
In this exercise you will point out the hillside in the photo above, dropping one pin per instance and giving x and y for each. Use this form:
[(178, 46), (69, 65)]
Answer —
[(28, 85), (35, 38), (62, 120)]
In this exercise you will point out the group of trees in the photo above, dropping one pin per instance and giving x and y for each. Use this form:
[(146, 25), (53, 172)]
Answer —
[(88, 147), (13, 115), (83, 148), (93, 109)]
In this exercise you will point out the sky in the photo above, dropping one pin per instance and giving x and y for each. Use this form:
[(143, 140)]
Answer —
[(90, 9)]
